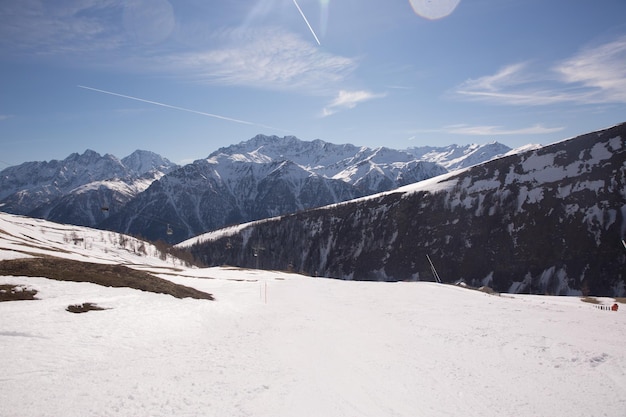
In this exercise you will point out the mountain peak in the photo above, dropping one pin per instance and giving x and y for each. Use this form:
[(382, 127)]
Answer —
[(257, 142), (141, 162), (86, 157)]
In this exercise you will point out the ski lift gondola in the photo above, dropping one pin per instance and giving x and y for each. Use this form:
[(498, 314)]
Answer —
[(169, 230)]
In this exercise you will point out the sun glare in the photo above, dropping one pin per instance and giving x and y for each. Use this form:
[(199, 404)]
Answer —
[(323, 16), (434, 9)]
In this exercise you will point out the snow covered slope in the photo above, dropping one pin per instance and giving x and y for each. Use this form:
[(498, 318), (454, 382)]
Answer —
[(548, 220), (281, 345), (25, 237)]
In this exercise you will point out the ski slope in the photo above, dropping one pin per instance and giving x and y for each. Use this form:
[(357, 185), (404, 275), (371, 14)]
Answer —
[(278, 344)]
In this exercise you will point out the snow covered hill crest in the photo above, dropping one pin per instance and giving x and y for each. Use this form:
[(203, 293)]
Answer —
[(80, 189), (549, 220)]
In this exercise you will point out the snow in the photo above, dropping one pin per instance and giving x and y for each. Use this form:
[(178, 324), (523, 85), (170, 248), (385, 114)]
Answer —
[(347, 163), (433, 185), (454, 157), (278, 344), (601, 151), (21, 236), (210, 236)]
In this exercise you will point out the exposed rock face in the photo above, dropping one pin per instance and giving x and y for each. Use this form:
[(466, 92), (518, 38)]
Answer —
[(550, 220)]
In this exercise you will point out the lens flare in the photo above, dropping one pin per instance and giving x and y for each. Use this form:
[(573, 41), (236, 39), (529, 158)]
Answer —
[(434, 9)]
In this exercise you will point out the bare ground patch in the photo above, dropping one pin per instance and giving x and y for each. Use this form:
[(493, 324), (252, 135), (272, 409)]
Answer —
[(84, 307), (12, 292), (101, 274), (590, 300)]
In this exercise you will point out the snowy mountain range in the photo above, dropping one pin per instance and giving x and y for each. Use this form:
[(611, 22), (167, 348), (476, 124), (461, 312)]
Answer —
[(82, 188), (548, 220), (145, 194)]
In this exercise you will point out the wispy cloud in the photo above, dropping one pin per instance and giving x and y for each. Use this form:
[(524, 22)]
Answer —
[(73, 27), (348, 100), (594, 75), (266, 58), (105, 33), (600, 70), (499, 130), (491, 130), (5, 117)]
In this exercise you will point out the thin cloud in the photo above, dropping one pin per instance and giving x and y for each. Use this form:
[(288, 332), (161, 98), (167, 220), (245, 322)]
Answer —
[(266, 58), (593, 76), (510, 75), (67, 28), (5, 117), (499, 130), (348, 100), (601, 70), (513, 85), (92, 33)]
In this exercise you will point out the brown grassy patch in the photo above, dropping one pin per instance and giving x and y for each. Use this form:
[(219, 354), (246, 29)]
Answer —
[(101, 274), (591, 300), (621, 300), (84, 307), (11, 292), (488, 290)]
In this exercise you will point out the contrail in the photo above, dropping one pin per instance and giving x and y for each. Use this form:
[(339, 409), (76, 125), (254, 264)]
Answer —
[(307, 22), (156, 103)]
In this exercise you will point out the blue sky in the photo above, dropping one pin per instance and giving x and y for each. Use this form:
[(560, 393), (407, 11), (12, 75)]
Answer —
[(183, 78)]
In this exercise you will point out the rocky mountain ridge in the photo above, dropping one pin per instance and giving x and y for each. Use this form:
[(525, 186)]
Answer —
[(145, 194), (80, 189), (263, 177)]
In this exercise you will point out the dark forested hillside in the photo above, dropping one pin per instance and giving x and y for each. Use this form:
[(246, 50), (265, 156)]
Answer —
[(550, 220)]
